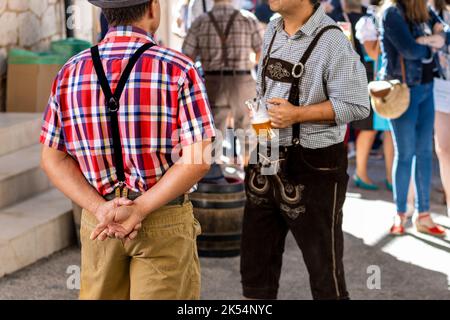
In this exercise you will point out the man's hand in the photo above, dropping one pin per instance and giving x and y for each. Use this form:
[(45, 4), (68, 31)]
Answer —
[(282, 113), (109, 214), (105, 212), (127, 221)]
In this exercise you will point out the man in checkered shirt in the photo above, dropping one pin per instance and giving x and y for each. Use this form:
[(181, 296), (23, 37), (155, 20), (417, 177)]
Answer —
[(227, 65), (314, 84), (134, 196)]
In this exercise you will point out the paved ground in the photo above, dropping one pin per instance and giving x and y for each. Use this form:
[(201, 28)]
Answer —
[(411, 267)]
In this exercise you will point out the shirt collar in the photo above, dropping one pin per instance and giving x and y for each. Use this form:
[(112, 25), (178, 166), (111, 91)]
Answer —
[(309, 27), (128, 32)]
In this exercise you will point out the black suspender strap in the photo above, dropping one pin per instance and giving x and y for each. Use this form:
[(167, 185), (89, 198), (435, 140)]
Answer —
[(297, 72), (205, 9), (223, 35), (112, 101), (299, 68), (266, 63)]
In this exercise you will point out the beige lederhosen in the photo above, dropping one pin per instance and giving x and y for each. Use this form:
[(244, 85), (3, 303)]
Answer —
[(227, 94), (161, 263)]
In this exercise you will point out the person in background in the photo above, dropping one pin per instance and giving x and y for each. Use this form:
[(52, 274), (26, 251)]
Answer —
[(442, 122), (190, 10), (407, 34), (224, 41), (333, 8), (367, 34)]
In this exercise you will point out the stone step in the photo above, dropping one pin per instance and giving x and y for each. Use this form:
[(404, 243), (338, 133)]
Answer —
[(21, 176), (18, 130), (34, 229)]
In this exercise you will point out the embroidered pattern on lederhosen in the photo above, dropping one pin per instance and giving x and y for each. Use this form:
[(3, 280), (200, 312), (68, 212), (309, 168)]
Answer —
[(279, 70)]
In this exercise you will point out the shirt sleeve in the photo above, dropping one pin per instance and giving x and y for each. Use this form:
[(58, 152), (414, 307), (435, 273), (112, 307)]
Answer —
[(257, 35), (346, 80), (52, 131), (190, 43), (194, 117)]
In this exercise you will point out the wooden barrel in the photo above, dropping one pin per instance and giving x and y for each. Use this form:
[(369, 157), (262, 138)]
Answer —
[(219, 208)]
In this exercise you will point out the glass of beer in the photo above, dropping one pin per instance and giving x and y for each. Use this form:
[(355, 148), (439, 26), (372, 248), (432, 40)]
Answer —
[(260, 119)]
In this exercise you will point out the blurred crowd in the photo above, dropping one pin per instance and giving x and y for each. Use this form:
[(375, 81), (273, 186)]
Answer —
[(386, 34)]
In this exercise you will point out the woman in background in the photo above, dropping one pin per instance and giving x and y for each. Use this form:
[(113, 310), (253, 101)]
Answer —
[(407, 34), (366, 32)]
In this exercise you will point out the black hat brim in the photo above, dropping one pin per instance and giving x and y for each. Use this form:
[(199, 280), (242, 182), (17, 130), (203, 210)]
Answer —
[(113, 4)]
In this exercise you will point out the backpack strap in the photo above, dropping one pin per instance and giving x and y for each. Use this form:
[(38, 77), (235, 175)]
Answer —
[(112, 101)]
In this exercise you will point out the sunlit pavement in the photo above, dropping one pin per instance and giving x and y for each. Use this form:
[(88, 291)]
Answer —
[(378, 266)]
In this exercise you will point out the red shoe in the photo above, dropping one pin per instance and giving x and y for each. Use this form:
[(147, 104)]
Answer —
[(398, 229), (436, 230)]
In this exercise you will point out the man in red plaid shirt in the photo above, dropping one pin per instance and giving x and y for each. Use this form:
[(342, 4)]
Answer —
[(119, 117)]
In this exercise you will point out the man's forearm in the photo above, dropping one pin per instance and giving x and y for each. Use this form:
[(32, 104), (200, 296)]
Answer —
[(186, 172), (322, 112), (176, 181), (65, 174)]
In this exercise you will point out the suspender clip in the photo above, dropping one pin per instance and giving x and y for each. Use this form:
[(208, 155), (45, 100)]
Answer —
[(113, 104), (297, 70)]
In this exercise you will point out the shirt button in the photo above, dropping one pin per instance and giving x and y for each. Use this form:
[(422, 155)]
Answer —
[(289, 41)]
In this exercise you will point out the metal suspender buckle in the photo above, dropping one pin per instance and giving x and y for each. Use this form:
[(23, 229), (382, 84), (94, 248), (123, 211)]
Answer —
[(113, 104), (297, 70)]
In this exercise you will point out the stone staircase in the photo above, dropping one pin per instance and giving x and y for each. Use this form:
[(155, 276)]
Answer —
[(35, 218)]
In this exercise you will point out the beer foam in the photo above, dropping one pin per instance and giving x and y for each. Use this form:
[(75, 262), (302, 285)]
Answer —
[(260, 120)]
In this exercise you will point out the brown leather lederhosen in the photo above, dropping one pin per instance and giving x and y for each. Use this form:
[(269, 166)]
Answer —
[(305, 197)]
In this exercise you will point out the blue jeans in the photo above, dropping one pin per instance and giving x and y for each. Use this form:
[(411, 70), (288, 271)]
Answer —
[(413, 140)]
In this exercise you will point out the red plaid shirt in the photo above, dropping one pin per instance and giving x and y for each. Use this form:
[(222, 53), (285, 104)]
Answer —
[(163, 107)]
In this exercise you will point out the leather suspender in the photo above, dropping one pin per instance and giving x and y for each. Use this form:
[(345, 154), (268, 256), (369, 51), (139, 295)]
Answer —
[(223, 34), (112, 102), (297, 73)]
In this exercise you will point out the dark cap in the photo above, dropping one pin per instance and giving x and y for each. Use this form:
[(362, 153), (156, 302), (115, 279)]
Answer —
[(111, 4)]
